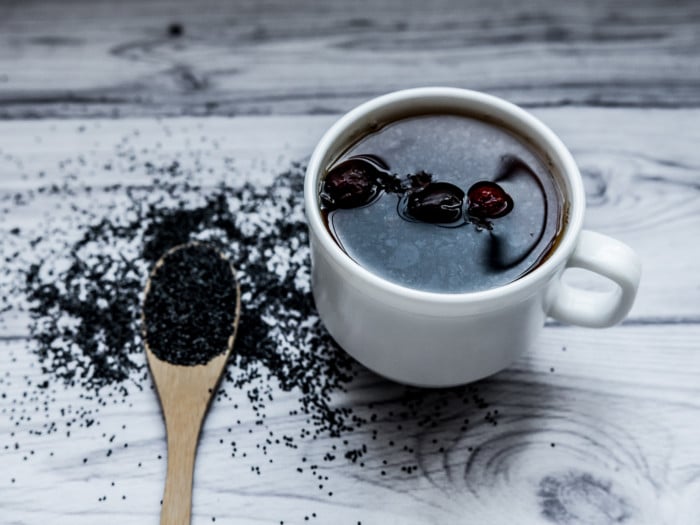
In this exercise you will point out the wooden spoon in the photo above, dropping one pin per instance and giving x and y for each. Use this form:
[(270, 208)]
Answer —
[(185, 392)]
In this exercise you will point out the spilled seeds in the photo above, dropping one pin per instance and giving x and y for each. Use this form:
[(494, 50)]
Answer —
[(80, 279)]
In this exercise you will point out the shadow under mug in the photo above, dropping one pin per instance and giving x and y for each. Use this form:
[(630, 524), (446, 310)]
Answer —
[(439, 339)]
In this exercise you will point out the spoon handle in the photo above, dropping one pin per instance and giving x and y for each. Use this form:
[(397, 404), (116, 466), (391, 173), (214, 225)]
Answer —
[(184, 394), (177, 499)]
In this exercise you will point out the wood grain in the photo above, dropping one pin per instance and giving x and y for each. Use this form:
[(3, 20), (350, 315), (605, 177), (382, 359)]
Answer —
[(641, 180), (91, 59), (590, 428), (620, 407)]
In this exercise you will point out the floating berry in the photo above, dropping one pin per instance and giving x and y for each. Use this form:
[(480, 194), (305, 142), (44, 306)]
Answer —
[(351, 184), (487, 200), (436, 202)]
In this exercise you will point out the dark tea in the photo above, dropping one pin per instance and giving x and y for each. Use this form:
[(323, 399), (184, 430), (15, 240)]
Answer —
[(443, 203)]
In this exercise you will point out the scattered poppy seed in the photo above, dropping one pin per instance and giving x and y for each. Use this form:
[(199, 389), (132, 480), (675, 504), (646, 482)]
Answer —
[(90, 268), (176, 29)]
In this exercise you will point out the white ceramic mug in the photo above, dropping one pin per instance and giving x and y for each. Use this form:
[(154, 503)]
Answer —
[(441, 339)]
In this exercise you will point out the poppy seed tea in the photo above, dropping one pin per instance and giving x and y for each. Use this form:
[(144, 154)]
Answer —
[(443, 203)]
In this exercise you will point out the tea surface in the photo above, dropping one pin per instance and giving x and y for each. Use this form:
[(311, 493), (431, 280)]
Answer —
[(443, 161)]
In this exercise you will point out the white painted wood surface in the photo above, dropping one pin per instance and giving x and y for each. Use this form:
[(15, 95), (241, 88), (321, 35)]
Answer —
[(80, 58), (621, 406)]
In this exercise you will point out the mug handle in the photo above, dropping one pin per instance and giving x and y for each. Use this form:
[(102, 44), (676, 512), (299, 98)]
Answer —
[(607, 257)]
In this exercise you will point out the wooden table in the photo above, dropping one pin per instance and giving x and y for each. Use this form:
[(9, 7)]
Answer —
[(593, 427)]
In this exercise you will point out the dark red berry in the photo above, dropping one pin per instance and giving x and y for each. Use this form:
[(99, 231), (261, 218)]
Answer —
[(350, 184), (436, 202), (487, 200)]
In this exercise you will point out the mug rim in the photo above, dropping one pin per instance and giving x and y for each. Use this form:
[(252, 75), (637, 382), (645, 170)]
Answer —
[(552, 146)]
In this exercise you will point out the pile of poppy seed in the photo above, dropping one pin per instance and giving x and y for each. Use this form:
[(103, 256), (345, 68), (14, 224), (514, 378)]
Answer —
[(189, 311), (82, 282)]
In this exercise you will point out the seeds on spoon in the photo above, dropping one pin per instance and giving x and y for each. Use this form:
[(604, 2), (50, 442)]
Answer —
[(190, 305)]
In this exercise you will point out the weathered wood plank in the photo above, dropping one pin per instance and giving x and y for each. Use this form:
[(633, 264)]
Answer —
[(84, 58), (592, 427), (619, 406), (641, 180)]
